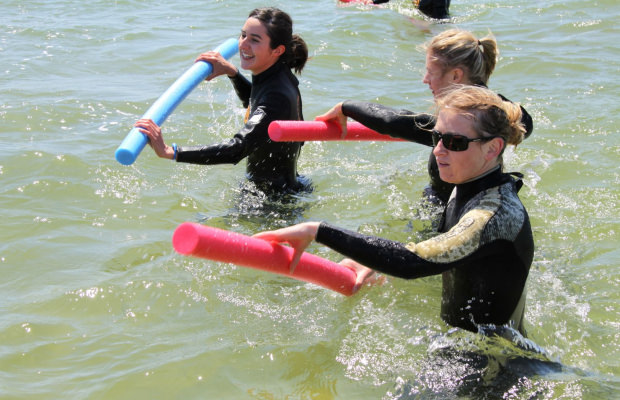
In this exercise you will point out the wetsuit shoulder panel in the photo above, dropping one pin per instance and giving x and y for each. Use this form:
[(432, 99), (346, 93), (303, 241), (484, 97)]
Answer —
[(459, 242)]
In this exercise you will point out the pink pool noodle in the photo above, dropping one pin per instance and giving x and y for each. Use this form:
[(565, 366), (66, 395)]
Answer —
[(300, 131), (230, 247)]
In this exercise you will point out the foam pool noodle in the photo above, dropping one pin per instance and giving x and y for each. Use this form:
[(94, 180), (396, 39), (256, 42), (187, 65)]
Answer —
[(230, 247), (135, 140)]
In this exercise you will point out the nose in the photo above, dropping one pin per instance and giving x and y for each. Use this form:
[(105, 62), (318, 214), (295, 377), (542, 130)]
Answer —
[(439, 149), (242, 40), (425, 79)]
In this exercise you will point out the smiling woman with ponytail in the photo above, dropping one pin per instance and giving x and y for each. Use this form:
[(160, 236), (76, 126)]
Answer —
[(269, 50)]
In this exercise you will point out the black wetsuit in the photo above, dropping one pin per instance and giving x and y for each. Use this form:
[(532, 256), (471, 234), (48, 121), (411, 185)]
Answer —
[(433, 8), (484, 252), (410, 126), (272, 95), (439, 9)]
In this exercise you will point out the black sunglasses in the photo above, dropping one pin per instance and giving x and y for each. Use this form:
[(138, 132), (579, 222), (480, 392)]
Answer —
[(456, 142)]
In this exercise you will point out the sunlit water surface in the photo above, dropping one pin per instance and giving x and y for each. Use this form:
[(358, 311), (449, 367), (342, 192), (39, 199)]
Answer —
[(96, 304)]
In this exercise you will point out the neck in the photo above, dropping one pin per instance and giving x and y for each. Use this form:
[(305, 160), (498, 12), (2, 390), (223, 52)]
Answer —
[(487, 172), (254, 73)]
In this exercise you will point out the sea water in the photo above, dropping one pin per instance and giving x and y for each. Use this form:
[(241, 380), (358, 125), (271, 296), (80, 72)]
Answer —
[(95, 303)]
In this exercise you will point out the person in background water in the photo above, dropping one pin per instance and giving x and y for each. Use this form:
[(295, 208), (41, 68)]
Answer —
[(452, 57), (485, 246), (438, 9), (269, 49)]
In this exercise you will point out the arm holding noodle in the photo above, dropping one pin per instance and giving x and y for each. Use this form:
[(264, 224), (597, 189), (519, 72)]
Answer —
[(401, 124), (335, 115), (153, 131), (299, 238), (220, 65)]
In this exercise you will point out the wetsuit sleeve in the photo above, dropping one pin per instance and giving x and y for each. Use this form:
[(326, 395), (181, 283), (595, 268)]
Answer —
[(252, 135), (243, 88), (401, 124), (460, 245)]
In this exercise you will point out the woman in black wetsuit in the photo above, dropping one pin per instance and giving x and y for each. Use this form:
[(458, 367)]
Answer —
[(269, 49), (452, 57), (484, 248)]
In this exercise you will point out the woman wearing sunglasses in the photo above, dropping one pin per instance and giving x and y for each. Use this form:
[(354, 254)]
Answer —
[(452, 57), (485, 246)]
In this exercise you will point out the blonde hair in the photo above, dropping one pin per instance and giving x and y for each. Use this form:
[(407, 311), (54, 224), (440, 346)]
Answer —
[(457, 48), (490, 115)]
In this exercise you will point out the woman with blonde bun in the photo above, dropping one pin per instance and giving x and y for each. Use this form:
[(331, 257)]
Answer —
[(485, 246), (453, 57)]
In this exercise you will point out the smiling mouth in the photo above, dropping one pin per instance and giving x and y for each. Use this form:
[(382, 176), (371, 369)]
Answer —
[(246, 56)]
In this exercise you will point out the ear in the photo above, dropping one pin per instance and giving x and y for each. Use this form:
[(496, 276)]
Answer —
[(457, 75), (494, 148), (278, 51)]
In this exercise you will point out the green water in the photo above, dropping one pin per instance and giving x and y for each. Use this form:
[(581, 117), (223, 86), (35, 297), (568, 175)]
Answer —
[(94, 302)]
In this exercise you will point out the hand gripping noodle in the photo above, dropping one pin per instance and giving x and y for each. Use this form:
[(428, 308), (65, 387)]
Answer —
[(224, 246), (303, 131), (135, 140)]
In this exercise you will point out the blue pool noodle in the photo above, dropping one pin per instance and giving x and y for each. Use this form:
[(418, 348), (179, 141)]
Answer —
[(135, 140)]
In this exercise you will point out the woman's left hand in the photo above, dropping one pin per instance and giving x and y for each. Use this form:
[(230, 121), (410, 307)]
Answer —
[(297, 236), (156, 139)]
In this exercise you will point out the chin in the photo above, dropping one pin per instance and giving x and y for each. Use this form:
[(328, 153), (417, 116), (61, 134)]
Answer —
[(447, 179)]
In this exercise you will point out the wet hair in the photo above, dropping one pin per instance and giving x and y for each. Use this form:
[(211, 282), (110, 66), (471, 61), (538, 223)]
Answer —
[(457, 48), (279, 27), (490, 115)]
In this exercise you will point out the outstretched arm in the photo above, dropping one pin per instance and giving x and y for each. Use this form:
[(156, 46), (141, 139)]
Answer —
[(299, 238)]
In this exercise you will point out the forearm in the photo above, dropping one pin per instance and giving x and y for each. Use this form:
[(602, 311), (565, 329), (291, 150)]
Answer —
[(382, 255), (389, 121), (230, 152), (242, 86)]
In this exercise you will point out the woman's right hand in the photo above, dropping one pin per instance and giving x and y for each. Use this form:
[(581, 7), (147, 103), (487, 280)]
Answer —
[(156, 140), (364, 275), (335, 115), (220, 65)]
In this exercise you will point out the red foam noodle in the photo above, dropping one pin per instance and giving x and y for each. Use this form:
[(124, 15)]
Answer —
[(300, 131), (225, 246)]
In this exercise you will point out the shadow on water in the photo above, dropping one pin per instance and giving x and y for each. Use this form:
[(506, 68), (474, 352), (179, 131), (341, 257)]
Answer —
[(255, 208), (496, 363)]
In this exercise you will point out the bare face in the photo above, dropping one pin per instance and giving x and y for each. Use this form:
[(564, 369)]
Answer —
[(255, 47), (461, 166), (437, 78)]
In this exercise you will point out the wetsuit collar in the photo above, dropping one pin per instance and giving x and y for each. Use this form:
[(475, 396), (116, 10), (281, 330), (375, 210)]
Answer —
[(271, 71), (492, 178)]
